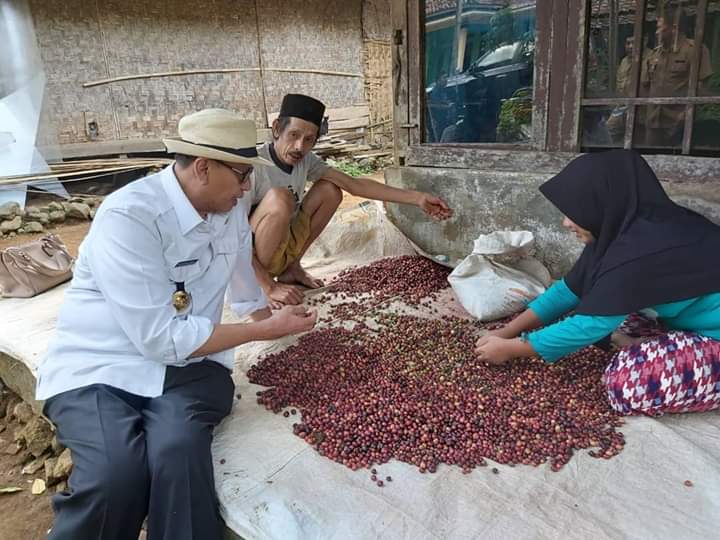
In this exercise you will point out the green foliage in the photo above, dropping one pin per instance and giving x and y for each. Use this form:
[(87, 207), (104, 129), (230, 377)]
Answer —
[(710, 113), (515, 113), (351, 168), (707, 113)]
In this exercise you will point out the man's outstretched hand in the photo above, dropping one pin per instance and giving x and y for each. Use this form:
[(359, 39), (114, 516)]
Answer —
[(434, 206)]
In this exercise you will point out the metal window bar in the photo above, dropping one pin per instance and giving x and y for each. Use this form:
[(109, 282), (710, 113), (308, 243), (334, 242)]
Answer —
[(614, 10), (694, 74), (634, 72)]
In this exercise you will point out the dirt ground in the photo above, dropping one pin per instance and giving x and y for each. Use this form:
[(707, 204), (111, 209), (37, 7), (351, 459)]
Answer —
[(24, 516), (70, 233)]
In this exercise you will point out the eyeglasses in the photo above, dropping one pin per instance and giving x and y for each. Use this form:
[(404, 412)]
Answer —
[(242, 175)]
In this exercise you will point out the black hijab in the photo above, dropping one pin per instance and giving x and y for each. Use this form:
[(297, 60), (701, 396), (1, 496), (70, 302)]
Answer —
[(647, 249)]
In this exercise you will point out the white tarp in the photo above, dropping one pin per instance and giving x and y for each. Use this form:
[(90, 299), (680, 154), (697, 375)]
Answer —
[(273, 485)]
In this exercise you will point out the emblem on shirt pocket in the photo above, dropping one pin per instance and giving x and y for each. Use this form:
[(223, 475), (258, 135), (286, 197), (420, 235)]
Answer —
[(182, 272), (181, 299)]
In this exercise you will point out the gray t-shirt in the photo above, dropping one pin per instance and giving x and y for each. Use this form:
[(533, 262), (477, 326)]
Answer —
[(309, 169)]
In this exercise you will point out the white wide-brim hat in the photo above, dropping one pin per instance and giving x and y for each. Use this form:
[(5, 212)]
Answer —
[(217, 134)]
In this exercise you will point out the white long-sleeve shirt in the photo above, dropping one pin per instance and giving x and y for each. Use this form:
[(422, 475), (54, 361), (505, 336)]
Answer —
[(117, 325)]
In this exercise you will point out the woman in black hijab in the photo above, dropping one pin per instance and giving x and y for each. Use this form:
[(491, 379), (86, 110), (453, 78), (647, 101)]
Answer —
[(643, 253)]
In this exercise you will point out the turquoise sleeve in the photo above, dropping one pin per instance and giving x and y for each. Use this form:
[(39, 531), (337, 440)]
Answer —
[(701, 315), (572, 334), (554, 303)]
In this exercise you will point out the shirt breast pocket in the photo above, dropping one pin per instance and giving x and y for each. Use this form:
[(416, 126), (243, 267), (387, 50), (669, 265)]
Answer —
[(185, 271), (680, 67), (226, 246), (225, 251)]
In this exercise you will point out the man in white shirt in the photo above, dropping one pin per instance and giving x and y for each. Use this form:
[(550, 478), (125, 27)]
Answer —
[(139, 371), (285, 220)]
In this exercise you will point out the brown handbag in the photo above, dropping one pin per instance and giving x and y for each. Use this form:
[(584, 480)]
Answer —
[(35, 267)]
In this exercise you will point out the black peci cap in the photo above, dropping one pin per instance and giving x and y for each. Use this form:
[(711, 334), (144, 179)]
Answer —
[(304, 107)]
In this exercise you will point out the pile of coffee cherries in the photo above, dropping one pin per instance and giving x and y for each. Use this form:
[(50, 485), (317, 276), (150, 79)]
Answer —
[(413, 280), (411, 388)]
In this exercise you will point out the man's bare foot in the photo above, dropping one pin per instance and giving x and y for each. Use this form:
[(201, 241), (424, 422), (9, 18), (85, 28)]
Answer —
[(297, 274)]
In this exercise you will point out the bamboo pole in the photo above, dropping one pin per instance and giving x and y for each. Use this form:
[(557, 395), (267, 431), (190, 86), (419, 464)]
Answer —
[(217, 70), (21, 179)]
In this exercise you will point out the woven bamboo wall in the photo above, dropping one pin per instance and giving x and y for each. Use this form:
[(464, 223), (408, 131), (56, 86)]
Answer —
[(82, 42), (72, 52), (377, 67), (312, 34)]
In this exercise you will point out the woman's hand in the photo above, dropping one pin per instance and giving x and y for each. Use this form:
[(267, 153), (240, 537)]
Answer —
[(503, 332), (495, 350)]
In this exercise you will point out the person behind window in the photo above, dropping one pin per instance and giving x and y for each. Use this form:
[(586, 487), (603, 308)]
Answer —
[(666, 73), (623, 87), (622, 78)]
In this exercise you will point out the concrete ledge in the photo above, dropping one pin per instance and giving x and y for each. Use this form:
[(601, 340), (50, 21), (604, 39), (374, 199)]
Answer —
[(487, 200), (484, 201), (671, 168), (27, 325)]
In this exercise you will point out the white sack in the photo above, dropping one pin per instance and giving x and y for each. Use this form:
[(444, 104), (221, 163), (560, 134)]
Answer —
[(499, 276)]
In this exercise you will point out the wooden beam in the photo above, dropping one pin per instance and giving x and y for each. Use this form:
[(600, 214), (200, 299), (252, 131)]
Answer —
[(400, 44), (558, 74), (673, 169), (680, 100), (541, 75), (23, 179), (574, 77), (416, 71), (337, 114), (125, 146), (110, 148), (351, 123)]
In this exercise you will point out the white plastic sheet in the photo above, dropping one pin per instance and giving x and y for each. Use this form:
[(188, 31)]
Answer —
[(272, 485)]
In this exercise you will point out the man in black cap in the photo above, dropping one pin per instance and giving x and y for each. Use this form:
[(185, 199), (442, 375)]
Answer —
[(285, 219)]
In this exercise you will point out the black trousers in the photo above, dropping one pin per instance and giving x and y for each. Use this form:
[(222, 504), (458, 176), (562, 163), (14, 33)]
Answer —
[(135, 457)]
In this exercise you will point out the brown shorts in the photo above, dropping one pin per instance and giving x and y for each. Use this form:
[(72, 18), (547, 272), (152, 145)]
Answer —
[(292, 245)]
